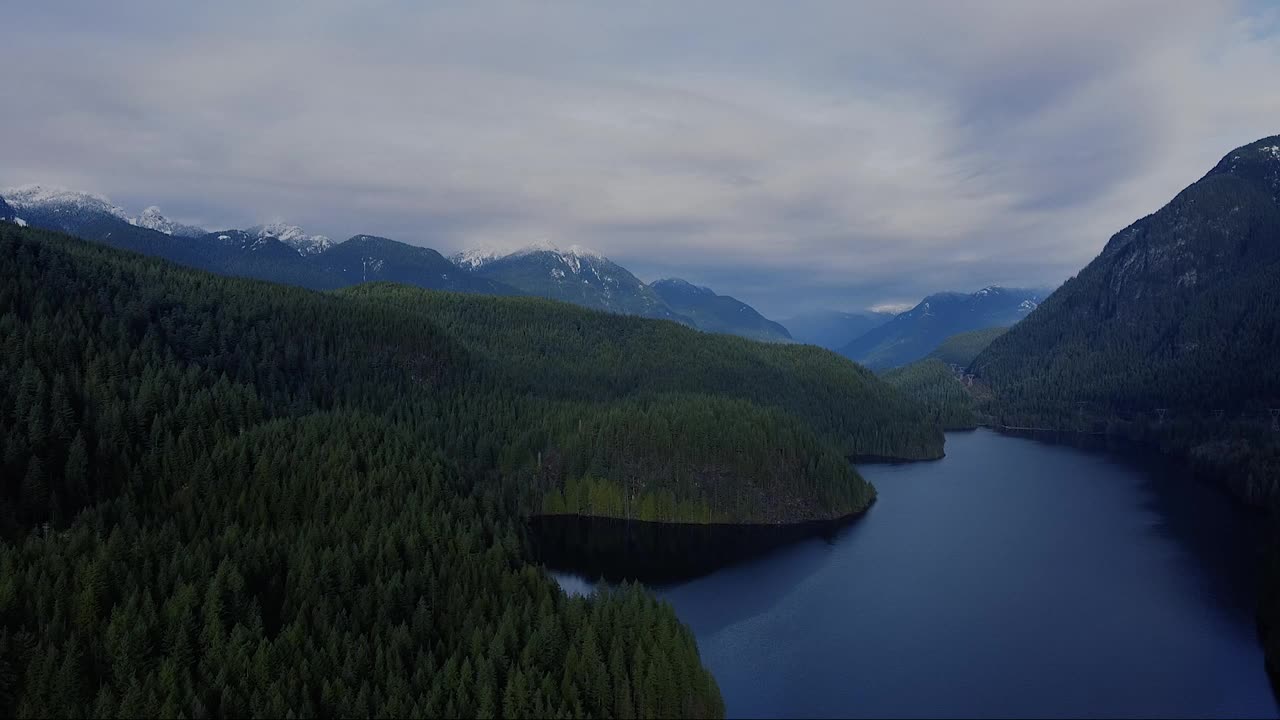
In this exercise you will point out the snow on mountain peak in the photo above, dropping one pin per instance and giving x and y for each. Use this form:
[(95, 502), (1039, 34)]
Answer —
[(541, 246), (478, 257), (54, 197), (153, 219), (294, 237), (475, 257)]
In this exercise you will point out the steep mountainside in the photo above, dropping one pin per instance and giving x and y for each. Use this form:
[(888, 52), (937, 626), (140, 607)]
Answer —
[(833, 329), (916, 332), (961, 350), (1179, 316), (717, 313), (574, 275), (7, 213)]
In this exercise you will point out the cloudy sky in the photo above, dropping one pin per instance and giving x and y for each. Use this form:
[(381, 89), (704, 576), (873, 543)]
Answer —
[(797, 155)]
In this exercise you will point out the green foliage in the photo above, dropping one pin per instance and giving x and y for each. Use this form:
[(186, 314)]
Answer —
[(961, 349), (226, 497), (550, 349), (1170, 334), (321, 566), (933, 384)]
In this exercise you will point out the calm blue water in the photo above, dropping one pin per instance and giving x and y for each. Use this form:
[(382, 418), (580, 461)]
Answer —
[(1012, 578)]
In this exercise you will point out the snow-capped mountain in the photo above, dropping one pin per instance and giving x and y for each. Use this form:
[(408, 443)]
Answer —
[(575, 274), (58, 208), (915, 333), (294, 237), (476, 258), (368, 258), (153, 219)]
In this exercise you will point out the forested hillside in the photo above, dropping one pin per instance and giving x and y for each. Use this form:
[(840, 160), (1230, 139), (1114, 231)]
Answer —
[(933, 384), (230, 497), (963, 348), (1172, 331)]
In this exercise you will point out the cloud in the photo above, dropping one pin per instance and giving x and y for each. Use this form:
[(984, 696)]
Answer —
[(799, 156)]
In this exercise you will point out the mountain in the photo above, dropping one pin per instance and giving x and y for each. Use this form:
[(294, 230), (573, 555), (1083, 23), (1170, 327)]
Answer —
[(833, 329), (1179, 316), (294, 237), (368, 258), (152, 219), (717, 313), (7, 213), (58, 208), (276, 252), (960, 350), (915, 333), (574, 275)]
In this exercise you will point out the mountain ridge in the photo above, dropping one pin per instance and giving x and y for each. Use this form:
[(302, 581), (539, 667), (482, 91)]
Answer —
[(913, 334)]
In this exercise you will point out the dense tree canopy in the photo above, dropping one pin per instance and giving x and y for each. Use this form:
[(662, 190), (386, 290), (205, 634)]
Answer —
[(963, 348), (933, 384), (224, 497)]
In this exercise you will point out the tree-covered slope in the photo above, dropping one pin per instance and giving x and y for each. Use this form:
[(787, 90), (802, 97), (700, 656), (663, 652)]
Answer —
[(963, 348), (1180, 312), (318, 567), (913, 334), (718, 313), (933, 384), (230, 498), (516, 387), (550, 349)]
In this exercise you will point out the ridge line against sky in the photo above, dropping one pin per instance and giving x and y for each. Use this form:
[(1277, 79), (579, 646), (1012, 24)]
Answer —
[(795, 156)]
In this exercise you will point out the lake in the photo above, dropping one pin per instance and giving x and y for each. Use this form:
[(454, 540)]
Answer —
[(1012, 578)]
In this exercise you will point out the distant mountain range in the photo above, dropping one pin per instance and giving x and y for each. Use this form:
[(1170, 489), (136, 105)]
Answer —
[(285, 253), (915, 333), (833, 329)]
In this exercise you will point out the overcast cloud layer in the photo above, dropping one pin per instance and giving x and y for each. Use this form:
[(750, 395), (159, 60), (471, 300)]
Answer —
[(796, 155)]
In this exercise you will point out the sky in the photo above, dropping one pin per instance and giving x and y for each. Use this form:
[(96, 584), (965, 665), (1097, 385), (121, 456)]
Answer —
[(798, 155)]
